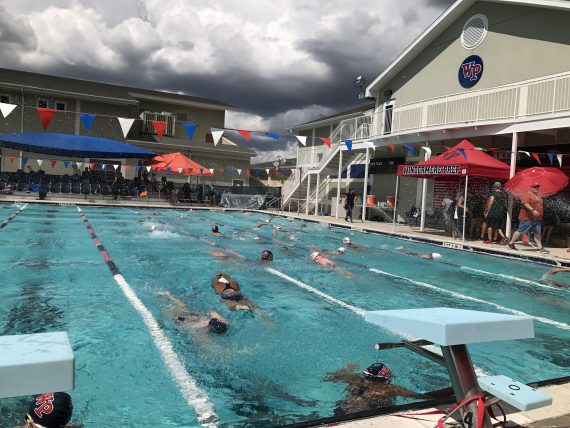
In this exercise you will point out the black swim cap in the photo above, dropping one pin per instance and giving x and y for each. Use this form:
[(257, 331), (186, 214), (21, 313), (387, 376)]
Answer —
[(51, 410), (378, 371), (217, 326), (215, 228), (267, 255)]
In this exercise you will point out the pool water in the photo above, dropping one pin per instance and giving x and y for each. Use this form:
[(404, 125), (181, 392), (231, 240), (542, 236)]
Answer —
[(268, 369)]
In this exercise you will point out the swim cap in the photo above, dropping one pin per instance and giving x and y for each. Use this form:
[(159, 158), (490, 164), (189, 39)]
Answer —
[(217, 326), (266, 220), (51, 410), (436, 255), (314, 255), (378, 371), (267, 255), (341, 250), (215, 228), (346, 240), (153, 227), (279, 228), (223, 280)]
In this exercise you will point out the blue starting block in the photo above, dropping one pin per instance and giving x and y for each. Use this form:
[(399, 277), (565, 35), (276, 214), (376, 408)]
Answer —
[(452, 329), (36, 364)]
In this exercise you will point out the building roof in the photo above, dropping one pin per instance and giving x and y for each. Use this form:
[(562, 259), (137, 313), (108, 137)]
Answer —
[(172, 143), (337, 116), (439, 26), (103, 92)]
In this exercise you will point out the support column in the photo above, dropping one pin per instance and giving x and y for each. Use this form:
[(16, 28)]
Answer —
[(424, 192), (308, 193), (365, 192), (338, 182), (514, 149), (317, 190)]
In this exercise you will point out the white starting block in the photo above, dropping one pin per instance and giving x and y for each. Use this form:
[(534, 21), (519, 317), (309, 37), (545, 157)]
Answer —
[(452, 329), (36, 364)]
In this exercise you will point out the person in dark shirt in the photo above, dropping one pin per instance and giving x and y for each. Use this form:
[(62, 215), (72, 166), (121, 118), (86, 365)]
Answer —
[(349, 204), (495, 215)]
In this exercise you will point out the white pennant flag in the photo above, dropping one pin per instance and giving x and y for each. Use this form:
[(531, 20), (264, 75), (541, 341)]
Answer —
[(267, 171), (559, 157), (7, 109), (428, 151), (239, 171), (180, 170), (79, 165), (211, 170), (125, 125), (302, 140), (40, 161), (115, 166), (217, 136), (526, 153), (148, 169)]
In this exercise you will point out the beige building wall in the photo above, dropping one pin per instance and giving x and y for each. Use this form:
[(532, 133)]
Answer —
[(522, 43)]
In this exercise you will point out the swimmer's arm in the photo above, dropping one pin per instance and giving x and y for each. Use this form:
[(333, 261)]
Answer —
[(558, 270), (173, 299), (214, 314)]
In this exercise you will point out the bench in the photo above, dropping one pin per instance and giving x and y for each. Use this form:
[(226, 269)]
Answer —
[(453, 329)]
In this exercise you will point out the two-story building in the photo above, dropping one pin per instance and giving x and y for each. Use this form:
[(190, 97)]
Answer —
[(496, 72), (70, 97)]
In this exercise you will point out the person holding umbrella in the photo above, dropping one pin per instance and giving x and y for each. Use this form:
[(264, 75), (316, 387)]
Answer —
[(530, 218)]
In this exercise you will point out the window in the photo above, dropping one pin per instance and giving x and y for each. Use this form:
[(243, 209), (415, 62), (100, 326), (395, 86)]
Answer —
[(5, 99), (182, 116), (237, 183), (388, 110), (43, 103), (164, 116), (60, 105), (209, 138)]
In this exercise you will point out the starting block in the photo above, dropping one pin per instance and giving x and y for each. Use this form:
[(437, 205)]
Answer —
[(36, 364)]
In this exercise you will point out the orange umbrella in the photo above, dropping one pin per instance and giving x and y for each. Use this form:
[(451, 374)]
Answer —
[(551, 181), (178, 163)]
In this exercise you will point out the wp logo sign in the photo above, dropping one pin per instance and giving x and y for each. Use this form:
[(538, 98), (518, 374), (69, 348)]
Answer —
[(470, 71)]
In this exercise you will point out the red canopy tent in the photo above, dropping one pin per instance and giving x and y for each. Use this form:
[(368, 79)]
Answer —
[(462, 160), (178, 163)]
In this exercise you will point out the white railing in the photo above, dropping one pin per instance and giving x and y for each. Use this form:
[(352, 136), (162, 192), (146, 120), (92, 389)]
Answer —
[(169, 118), (546, 95)]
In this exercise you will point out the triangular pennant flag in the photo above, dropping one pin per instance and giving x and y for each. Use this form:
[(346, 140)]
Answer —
[(229, 170), (79, 165), (211, 170), (24, 160), (201, 170), (276, 170), (87, 120), (221, 170), (66, 164), (327, 141), (245, 134), (239, 171), (247, 171), (462, 151), (190, 128), (180, 169), (6, 109), (40, 161), (217, 136), (103, 165), (125, 125), (257, 171), (392, 147), (477, 148), (115, 166), (148, 169), (127, 167), (11, 159), (536, 158), (272, 135), (302, 140), (348, 145), (168, 170), (267, 171), (53, 162), (410, 148), (91, 165), (159, 127), (46, 115), (137, 168), (559, 157), (526, 153), (427, 150), (550, 157)]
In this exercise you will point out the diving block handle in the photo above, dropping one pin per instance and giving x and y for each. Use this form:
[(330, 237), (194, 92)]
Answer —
[(391, 345), (515, 393)]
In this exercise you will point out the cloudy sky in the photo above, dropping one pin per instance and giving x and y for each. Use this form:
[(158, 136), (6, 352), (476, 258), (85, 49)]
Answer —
[(281, 62)]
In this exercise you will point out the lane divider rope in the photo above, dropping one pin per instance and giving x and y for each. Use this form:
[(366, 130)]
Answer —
[(195, 397), (514, 278), (11, 217)]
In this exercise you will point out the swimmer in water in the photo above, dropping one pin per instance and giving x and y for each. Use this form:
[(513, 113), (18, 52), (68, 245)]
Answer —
[(548, 276), (216, 230), (322, 260), (427, 256), (213, 323), (266, 256), (265, 223), (229, 291), (347, 243)]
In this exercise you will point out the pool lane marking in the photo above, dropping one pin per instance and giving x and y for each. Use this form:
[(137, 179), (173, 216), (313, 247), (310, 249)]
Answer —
[(11, 217), (195, 397), (135, 212), (558, 324), (514, 278)]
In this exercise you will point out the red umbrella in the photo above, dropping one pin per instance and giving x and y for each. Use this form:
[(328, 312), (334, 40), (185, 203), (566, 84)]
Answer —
[(178, 163), (551, 181)]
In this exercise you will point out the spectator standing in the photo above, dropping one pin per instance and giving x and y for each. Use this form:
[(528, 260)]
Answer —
[(495, 214), (460, 210), (550, 219), (530, 218), (349, 204), (448, 205)]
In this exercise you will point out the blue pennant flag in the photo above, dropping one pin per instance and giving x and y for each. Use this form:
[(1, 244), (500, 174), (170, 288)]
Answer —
[(138, 168), (257, 171), (103, 165), (410, 148), (274, 136), (24, 160), (66, 163), (550, 157), (462, 151), (190, 129), (348, 145), (201, 170), (87, 119), (169, 170), (229, 170)]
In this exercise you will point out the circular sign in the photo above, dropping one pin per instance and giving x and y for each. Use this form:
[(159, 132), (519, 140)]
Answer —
[(470, 71)]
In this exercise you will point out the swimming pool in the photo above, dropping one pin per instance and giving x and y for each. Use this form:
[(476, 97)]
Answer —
[(268, 369)]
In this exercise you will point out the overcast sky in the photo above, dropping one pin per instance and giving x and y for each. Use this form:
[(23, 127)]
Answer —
[(281, 62)]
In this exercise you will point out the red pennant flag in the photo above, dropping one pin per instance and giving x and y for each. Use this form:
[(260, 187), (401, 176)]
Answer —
[(127, 167), (91, 166), (246, 134), (536, 158), (159, 127), (392, 147), (276, 170), (53, 162), (221, 170), (247, 171), (327, 141), (46, 115), (11, 159), (190, 171)]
